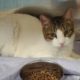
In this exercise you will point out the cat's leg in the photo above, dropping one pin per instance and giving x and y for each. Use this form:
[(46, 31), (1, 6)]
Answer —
[(75, 55)]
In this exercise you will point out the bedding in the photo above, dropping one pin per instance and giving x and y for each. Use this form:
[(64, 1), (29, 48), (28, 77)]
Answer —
[(10, 67)]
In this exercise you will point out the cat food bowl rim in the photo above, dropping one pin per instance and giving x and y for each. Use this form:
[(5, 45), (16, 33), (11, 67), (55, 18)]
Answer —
[(47, 62)]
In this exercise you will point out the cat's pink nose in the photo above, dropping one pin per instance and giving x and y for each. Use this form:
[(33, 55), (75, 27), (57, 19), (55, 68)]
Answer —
[(62, 44)]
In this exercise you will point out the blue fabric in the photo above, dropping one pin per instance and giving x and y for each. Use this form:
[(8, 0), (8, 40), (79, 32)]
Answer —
[(10, 67)]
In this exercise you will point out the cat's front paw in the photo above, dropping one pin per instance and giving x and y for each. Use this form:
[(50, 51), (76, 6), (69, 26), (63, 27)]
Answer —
[(75, 55)]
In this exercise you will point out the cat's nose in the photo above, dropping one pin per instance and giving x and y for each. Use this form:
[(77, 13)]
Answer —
[(62, 44)]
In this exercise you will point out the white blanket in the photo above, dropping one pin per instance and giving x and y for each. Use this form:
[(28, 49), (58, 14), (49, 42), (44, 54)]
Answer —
[(10, 67)]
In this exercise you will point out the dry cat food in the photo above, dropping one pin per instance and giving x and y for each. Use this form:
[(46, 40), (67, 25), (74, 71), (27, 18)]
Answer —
[(41, 71)]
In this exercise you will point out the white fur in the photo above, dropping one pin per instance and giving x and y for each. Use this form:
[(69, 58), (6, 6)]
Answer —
[(21, 36), (61, 39)]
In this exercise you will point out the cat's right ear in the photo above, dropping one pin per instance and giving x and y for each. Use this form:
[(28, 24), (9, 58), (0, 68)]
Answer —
[(68, 14), (44, 20)]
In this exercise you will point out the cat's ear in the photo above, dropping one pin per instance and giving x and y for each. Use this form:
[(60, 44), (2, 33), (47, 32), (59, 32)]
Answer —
[(68, 14), (44, 20)]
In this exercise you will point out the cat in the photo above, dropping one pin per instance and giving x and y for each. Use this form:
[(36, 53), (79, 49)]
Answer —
[(24, 35)]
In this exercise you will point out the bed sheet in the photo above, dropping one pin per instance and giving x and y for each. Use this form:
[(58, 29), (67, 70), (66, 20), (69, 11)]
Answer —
[(10, 67)]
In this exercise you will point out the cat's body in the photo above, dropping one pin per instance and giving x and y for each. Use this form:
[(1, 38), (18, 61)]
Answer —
[(22, 36)]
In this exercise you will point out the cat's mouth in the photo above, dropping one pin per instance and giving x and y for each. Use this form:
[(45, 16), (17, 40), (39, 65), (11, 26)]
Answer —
[(61, 46)]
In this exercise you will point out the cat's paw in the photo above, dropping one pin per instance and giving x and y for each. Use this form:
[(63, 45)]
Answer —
[(75, 56)]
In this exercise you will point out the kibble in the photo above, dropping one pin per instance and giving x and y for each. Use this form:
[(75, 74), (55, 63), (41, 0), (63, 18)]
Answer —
[(41, 71)]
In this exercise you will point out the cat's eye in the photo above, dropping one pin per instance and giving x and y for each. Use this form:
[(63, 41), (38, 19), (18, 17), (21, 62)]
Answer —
[(65, 33), (50, 34), (55, 35), (68, 33)]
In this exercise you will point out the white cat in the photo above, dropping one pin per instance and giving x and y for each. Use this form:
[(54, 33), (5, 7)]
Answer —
[(26, 36)]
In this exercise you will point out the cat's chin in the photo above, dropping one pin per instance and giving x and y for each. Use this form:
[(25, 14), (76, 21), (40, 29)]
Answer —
[(57, 47), (60, 47)]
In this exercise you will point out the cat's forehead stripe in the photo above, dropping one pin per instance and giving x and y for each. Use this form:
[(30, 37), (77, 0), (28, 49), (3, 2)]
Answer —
[(59, 33)]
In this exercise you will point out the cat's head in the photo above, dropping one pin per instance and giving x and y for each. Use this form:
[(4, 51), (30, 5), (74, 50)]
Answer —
[(59, 30)]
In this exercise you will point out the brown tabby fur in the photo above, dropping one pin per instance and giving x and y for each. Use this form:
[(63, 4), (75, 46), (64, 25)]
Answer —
[(66, 25), (57, 22)]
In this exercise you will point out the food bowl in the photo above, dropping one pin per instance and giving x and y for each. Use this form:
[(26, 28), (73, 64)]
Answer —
[(41, 71)]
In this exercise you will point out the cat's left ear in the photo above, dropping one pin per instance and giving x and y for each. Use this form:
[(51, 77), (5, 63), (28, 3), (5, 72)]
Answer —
[(68, 14), (44, 20)]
